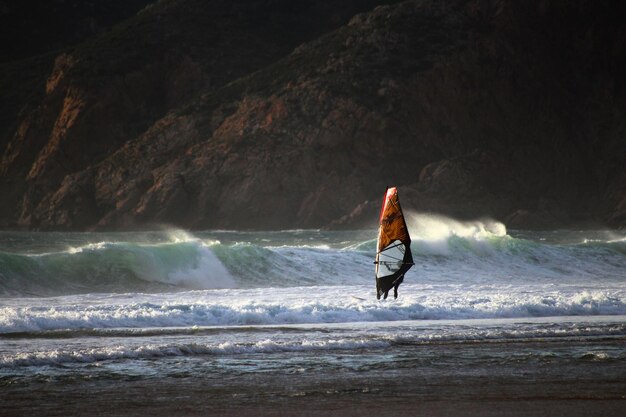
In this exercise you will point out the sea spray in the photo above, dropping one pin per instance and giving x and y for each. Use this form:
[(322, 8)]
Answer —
[(435, 229)]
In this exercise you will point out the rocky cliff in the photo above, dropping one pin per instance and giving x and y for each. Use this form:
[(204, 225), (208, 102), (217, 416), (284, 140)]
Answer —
[(202, 114)]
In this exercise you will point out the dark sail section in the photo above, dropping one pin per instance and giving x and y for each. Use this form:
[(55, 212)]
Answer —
[(393, 256)]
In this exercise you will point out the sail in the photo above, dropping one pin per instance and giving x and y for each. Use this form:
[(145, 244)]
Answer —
[(393, 255)]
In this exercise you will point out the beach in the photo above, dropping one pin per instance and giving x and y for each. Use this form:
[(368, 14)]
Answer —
[(456, 386)]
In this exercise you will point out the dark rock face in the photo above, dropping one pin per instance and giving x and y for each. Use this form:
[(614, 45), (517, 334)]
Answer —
[(514, 110)]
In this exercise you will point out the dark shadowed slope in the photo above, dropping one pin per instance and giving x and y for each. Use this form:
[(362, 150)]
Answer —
[(33, 33), (105, 92), (34, 27)]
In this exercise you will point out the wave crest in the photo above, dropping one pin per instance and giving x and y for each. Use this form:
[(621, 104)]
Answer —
[(431, 227), (114, 267)]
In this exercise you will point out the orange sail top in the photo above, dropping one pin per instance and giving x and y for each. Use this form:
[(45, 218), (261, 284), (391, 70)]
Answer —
[(392, 223)]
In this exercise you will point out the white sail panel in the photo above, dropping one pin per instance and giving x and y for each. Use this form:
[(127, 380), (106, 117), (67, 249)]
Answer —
[(390, 259)]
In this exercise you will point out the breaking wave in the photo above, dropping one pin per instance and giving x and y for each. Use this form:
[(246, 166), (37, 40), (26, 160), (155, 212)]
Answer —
[(114, 267), (445, 251), (308, 305)]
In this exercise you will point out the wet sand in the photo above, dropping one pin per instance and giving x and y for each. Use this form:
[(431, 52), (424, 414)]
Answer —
[(536, 394)]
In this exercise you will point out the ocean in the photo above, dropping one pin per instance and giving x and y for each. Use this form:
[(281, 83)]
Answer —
[(225, 322)]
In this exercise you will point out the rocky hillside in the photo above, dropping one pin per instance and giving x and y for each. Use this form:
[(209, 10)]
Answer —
[(34, 32), (202, 114)]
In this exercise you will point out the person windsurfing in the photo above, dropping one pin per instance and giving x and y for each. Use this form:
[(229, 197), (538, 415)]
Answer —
[(393, 255)]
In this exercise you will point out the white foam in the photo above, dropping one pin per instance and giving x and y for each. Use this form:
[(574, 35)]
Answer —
[(184, 263), (209, 273), (310, 305), (90, 355), (379, 336), (87, 247)]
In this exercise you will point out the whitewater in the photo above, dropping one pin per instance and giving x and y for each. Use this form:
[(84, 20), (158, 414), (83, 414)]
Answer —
[(237, 306)]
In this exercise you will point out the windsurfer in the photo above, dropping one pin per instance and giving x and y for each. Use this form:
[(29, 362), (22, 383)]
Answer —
[(393, 257), (395, 289)]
